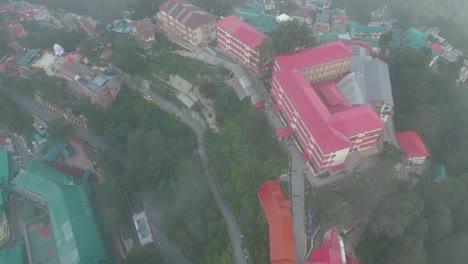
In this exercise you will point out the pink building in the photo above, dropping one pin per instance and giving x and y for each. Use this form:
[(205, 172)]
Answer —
[(100, 88), (241, 40), (144, 31), (326, 125)]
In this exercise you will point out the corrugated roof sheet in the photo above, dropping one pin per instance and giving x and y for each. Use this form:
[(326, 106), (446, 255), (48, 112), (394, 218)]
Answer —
[(71, 218), (187, 14), (411, 144), (4, 167), (28, 58), (314, 55), (242, 31), (13, 255), (278, 213)]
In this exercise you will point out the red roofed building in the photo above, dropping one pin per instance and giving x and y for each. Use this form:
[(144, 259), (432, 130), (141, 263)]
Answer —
[(144, 30), (327, 126), (17, 30), (332, 250), (278, 213), (413, 146), (187, 21), (240, 39), (88, 26)]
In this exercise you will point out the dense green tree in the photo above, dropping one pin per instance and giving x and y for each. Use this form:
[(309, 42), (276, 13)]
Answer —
[(125, 55), (13, 116), (407, 250), (331, 208), (4, 39), (440, 222), (143, 255), (450, 250), (291, 35), (396, 213)]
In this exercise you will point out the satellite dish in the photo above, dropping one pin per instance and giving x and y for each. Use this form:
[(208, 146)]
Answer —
[(59, 51)]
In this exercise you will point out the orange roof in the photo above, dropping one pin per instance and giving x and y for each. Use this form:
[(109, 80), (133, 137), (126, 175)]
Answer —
[(278, 214), (411, 144)]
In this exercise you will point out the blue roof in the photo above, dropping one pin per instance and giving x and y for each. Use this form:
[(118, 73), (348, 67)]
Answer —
[(439, 172), (37, 137), (101, 79)]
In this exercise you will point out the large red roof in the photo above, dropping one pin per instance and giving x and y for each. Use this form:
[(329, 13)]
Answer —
[(278, 214), (242, 31), (187, 14), (330, 129), (16, 29), (88, 26), (330, 250), (143, 27), (313, 56), (411, 144)]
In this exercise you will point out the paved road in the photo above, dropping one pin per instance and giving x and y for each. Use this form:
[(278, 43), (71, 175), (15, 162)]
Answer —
[(296, 173), (170, 253), (199, 130), (168, 250)]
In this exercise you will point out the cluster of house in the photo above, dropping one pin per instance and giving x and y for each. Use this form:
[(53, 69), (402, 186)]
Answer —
[(330, 250)]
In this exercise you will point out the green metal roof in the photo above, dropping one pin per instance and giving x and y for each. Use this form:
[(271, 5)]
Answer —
[(12, 255), (356, 27), (71, 219), (414, 38), (27, 58), (439, 172), (4, 168), (255, 16)]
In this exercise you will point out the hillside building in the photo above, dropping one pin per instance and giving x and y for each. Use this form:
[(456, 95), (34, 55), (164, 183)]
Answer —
[(240, 40), (327, 126), (186, 21), (144, 31), (100, 88), (72, 225)]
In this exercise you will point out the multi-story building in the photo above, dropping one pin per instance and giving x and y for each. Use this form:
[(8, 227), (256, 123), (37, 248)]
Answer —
[(327, 126), (187, 21), (144, 31), (240, 40), (100, 88)]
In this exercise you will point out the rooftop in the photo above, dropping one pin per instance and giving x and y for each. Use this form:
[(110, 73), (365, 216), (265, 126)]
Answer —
[(242, 31), (187, 14), (314, 55), (4, 167), (331, 251), (411, 144), (254, 15), (143, 27), (28, 57), (356, 27), (278, 213), (88, 26), (369, 80), (72, 222)]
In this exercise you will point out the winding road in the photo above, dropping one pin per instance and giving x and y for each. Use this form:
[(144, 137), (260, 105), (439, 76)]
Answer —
[(39, 110), (199, 130)]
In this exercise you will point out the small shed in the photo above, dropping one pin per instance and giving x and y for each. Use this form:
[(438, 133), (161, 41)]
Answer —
[(438, 173)]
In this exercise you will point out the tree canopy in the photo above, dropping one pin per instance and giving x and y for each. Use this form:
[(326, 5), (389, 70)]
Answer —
[(290, 35)]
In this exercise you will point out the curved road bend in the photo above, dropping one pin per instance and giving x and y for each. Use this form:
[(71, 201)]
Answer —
[(169, 251), (199, 130)]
